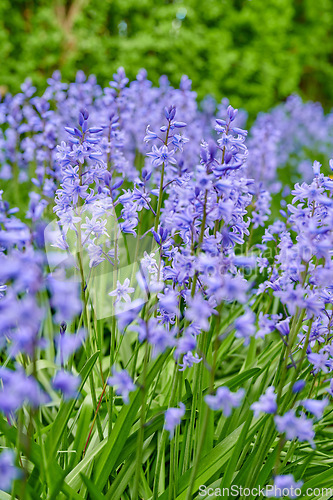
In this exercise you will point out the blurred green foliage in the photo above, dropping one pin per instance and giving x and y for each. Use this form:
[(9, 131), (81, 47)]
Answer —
[(256, 52)]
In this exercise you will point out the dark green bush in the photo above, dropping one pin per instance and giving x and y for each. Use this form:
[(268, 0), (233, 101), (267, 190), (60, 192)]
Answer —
[(254, 51)]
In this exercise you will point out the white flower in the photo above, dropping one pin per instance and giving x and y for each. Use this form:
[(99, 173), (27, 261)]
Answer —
[(122, 291)]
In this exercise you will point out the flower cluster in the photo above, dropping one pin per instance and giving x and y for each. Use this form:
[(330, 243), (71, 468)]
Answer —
[(146, 279)]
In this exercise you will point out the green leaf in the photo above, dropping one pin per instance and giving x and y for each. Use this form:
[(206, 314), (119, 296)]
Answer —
[(321, 480), (92, 489), (81, 433), (230, 470), (237, 380), (4, 496), (61, 420), (73, 478), (212, 463), (56, 471), (124, 477), (127, 416), (267, 468)]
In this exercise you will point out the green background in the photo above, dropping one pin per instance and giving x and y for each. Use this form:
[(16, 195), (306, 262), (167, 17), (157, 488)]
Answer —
[(255, 52)]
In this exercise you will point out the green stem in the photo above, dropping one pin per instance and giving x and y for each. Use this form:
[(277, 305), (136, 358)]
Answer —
[(206, 416), (160, 452), (198, 454), (139, 450)]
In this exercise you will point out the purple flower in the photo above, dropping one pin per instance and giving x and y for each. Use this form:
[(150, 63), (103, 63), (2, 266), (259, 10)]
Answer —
[(225, 400), (266, 403), (170, 112), (67, 383), (284, 486), (127, 313), (244, 326), (173, 417), (178, 141), (295, 427), (283, 326), (123, 383), (263, 263), (199, 311), (319, 361), (8, 470), (189, 360), (298, 386), (292, 297), (186, 343), (266, 324), (67, 344), (18, 389), (233, 288), (168, 300), (316, 167), (315, 406), (149, 135), (161, 155), (65, 299), (330, 389), (160, 337)]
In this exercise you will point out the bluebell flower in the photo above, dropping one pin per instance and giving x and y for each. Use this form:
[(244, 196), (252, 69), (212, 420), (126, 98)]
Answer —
[(168, 300), (170, 112), (244, 326), (291, 297), (295, 427), (178, 142), (96, 254), (225, 400), (122, 291), (330, 389), (149, 135), (65, 298), (127, 313), (161, 155), (173, 417), (267, 324), (66, 383), (119, 79), (283, 326), (186, 343), (160, 337), (123, 383), (8, 470), (298, 386), (199, 311), (189, 360), (284, 486), (94, 226), (315, 406), (68, 343), (319, 361), (316, 167), (266, 404), (18, 389), (129, 225)]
